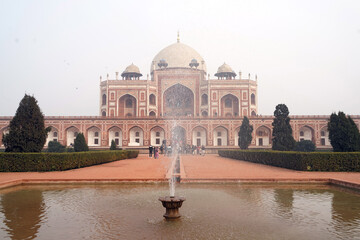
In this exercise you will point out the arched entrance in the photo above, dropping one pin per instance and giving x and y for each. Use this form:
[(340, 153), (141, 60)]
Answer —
[(229, 106), (178, 136), (178, 101), (127, 106)]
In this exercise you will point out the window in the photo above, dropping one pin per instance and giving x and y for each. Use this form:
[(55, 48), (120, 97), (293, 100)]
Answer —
[(128, 103), (219, 134), (104, 99), (158, 134), (137, 134), (228, 103), (253, 99), (116, 134), (96, 141), (96, 134), (198, 134), (219, 142), (323, 142), (152, 99), (157, 141), (55, 139), (103, 114), (260, 141), (116, 141), (204, 99), (55, 134), (301, 139), (301, 133), (323, 133), (137, 140)]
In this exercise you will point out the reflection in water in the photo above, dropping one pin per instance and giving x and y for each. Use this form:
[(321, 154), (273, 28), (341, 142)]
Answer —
[(23, 212), (212, 211)]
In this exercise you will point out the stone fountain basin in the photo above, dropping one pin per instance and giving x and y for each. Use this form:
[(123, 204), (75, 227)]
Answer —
[(172, 205)]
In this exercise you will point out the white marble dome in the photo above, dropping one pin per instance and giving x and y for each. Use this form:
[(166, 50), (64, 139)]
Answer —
[(178, 55)]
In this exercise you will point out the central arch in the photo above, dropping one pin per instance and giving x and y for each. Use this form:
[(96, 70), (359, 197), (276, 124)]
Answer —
[(178, 136), (229, 105), (127, 106), (178, 101)]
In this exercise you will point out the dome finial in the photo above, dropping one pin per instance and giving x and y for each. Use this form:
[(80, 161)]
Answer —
[(178, 37)]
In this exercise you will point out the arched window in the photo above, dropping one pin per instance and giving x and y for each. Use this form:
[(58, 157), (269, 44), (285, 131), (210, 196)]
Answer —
[(104, 99), (253, 113), (152, 114), (204, 99), (103, 113), (253, 102), (152, 100), (128, 103), (228, 103)]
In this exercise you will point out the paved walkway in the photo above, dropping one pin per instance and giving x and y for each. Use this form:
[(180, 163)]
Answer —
[(194, 168)]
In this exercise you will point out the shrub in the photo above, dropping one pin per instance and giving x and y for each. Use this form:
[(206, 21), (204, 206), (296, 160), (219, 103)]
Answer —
[(38, 162), (305, 146), (27, 128), (54, 146), (301, 161), (282, 131), (113, 145), (80, 144), (245, 134)]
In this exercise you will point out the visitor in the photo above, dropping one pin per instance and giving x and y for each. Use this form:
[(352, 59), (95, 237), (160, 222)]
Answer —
[(161, 149), (203, 150), (150, 150), (156, 153)]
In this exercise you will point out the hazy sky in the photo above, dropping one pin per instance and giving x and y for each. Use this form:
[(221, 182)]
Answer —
[(306, 53)]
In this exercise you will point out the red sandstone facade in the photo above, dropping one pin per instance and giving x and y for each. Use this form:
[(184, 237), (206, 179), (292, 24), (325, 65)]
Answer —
[(178, 103)]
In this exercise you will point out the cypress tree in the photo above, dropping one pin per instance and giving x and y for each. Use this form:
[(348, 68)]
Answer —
[(343, 133), (27, 128), (113, 145), (282, 131), (80, 144), (245, 134)]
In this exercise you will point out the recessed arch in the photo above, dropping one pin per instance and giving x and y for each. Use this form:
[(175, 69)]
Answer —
[(136, 134), (229, 105), (53, 135), (152, 99), (199, 136), (103, 99), (204, 99), (157, 135), (324, 136), (220, 136), (71, 134), (94, 136), (178, 101), (306, 133), (253, 99), (127, 106), (152, 114), (263, 136), (204, 113), (253, 113), (115, 133)]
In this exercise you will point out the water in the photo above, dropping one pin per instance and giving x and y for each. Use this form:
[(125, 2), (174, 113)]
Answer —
[(211, 211)]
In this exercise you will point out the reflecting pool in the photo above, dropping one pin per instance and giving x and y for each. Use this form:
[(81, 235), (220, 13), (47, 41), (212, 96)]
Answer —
[(211, 211)]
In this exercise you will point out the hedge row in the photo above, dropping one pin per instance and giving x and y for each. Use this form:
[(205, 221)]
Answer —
[(40, 162), (301, 161)]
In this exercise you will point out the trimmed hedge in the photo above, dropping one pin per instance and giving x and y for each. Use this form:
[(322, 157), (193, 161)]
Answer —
[(301, 161), (40, 162)]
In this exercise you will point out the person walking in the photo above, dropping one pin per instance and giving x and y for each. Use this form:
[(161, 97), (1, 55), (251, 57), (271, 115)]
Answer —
[(150, 151), (203, 150), (156, 153)]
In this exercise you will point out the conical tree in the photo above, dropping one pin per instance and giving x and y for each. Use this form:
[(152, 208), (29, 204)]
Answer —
[(80, 144), (245, 134), (113, 145), (282, 131), (343, 133), (27, 128)]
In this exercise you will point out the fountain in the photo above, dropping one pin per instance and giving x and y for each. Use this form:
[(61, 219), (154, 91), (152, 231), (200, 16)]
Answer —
[(172, 203)]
